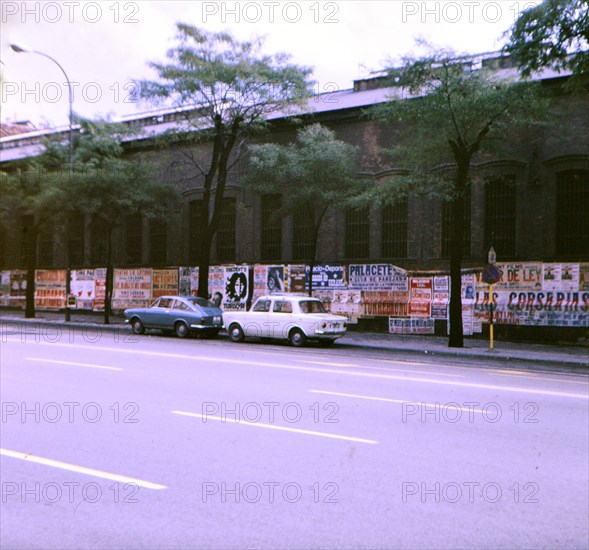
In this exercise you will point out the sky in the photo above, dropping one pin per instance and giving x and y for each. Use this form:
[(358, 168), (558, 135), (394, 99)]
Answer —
[(105, 46)]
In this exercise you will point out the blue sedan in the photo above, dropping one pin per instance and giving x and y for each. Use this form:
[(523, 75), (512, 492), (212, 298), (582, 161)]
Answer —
[(181, 315)]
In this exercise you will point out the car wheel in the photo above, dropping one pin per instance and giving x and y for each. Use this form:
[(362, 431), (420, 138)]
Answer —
[(181, 330), (137, 326), (236, 333), (297, 338)]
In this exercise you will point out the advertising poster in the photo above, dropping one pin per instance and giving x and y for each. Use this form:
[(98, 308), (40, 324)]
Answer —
[(164, 282), (384, 304), (99, 288), (296, 278), (419, 309), (275, 279), (467, 286), (377, 277), (236, 288), (217, 285), (347, 303), (5, 288), (551, 277), (50, 288), (441, 297), (583, 277), (83, 287), (184, 281), (420, 296), (132, 288), (520, 275), (18, 288), (327, 276), (188, 281), (400, 325), (569, 277), (421, 289)]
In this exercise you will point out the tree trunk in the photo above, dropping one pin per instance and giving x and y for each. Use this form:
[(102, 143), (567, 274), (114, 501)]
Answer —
[(204, 262), (31, 231), (315, 235), (456, 337), (109, 278)]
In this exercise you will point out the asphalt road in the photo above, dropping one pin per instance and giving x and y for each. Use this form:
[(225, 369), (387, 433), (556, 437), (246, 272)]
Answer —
[(117, 441)]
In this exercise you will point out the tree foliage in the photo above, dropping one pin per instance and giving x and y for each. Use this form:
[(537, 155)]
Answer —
[(224, 91), (446, 113), (313, 174), (553, 34), (101, 184)]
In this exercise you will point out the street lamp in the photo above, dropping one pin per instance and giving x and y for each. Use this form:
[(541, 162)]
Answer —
[(19, 49)]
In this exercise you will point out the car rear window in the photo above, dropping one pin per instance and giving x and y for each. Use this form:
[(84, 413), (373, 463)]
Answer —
[(200, 302)]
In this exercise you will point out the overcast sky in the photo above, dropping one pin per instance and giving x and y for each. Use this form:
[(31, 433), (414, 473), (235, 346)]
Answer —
[(104, 46)]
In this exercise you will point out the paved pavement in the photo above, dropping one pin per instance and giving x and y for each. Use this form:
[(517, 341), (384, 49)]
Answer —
[(569, 358)]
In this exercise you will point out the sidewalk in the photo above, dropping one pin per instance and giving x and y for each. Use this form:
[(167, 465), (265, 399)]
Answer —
[(565, 358)]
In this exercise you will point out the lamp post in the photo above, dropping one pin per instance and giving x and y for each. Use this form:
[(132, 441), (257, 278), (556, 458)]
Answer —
[(20, 49)]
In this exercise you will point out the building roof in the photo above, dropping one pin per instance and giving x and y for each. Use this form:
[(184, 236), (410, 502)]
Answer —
[(365, 93), (15, 128)]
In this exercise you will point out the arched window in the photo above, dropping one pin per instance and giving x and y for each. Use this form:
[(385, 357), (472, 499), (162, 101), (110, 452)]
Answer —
[(572, 213)]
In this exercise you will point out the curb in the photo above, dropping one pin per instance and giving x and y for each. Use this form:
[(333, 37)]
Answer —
[(565, 365)]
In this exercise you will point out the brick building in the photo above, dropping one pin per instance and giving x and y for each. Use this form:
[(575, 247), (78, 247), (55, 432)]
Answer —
[(532, 203)]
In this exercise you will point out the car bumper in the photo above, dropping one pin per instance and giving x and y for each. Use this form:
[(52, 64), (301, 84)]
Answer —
[(326, 333)]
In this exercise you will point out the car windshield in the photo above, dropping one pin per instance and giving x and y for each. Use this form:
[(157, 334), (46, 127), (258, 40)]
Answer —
[(312, 306), (201, 302)]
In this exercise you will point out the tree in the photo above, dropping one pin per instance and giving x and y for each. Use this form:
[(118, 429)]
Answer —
[(224, 90), (313, 174), (104, 186), (452, 115), (553, 34), (23, 200)]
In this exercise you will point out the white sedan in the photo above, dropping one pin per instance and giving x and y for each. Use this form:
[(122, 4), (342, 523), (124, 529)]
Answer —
[(286, 317)]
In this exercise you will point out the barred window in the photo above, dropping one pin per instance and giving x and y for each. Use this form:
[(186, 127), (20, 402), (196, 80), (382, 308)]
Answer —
[(195, 213), (572, 212), (302, 235), (447, 223), (226, 231), (271, 237), (98, 237), (134, 238), (76, 239), (500, 213), (46, 247), (357, 232), (158, 241), (394, 230)]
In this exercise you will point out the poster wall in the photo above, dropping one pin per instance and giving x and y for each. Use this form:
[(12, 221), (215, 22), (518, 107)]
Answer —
[(83, 287), (132, 288), (50, 289), (527, 293)]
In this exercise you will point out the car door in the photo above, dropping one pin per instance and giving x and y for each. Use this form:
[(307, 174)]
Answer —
[(280, 319), (256, 322), (161, 314), (178, 310)]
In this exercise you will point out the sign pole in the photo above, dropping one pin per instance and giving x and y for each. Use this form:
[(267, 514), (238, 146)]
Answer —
[(491, 276), (491, 317)]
